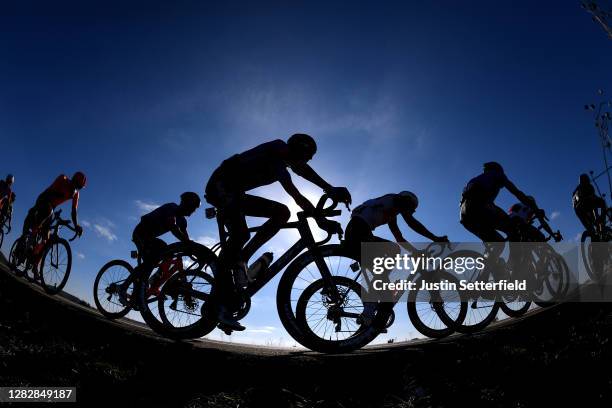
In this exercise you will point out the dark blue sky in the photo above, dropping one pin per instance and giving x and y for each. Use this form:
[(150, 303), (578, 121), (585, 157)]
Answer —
[(149, 98)]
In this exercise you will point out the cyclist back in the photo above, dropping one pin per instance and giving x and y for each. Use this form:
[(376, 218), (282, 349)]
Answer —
[(63, 189), (586, 203), (170, 217), (227, 190)]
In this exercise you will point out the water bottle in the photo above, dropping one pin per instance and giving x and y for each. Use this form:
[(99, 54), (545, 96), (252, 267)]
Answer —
[(260, 265)]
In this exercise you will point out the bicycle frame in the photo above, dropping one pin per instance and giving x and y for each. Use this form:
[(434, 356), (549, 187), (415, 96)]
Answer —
[(306, 241)]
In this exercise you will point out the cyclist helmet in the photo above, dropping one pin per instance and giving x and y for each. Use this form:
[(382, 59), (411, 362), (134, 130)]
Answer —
[(493, 167), (190, 200), (302, 146), (10, 179), (585, 179), (79, 179), (410, 198)]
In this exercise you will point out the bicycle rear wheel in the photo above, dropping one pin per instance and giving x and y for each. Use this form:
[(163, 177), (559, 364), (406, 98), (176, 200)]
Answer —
[(436, 313), (55, 265), (107, 287)]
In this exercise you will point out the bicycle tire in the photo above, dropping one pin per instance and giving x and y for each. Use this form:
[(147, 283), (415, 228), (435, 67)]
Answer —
[(12, 261), (450, 324), (201, 327), (288, 316), (203, 254), (482, 320), (52, 290), (126, 309)]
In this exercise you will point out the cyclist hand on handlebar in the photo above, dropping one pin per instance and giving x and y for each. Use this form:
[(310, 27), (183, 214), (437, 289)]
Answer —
[(340, 194)]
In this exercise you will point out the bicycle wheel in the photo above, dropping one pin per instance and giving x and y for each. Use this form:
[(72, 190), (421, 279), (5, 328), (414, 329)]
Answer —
[(482, 307), (16, 264), (107, 286), (436, 313), (301, 276), (55, 265), (552, 277), (182, 305), (192, 257), (319, 317)]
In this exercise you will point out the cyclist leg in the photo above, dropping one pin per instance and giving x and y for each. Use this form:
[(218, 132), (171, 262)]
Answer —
[(277, 214)]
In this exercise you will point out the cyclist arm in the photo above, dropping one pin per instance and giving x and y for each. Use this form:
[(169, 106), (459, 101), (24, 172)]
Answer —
[(74, 214), (178, 232), (419, 228), (522, 197), (305, 171), (399, 238), (292, 190)]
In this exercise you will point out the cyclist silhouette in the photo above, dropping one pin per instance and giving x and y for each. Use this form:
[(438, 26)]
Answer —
[(226, 190), (481, 216), (169, 217), (6, 210), (7, 197), (586, 203), (384, 210), (6, 189), (62, 190)]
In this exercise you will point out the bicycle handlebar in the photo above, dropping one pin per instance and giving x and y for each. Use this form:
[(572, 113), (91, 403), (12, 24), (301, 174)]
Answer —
[(320, 215), (64, 223)]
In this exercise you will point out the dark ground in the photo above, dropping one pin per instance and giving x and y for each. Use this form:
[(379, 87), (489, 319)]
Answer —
[(560, 357)]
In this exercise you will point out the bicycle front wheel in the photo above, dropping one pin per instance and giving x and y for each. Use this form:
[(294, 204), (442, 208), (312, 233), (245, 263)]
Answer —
[(55, 265), (108, 286), (482, 307), (182, 305), (436, 313), (303, 286), (17, 261), (197, 263)]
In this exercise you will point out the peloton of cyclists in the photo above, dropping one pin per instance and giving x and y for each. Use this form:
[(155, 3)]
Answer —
[(227, 190)]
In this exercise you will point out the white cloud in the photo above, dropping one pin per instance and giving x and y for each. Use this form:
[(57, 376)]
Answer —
[(80, 255), (105, 232), (146, 207), (86, 224), (554, 215)]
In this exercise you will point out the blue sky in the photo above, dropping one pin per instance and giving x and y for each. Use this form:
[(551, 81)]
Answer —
[(149, 98)]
